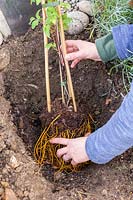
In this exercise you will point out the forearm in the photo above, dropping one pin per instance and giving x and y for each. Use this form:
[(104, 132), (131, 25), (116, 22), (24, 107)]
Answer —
[(106, 48), (116, 44), (114, 137)]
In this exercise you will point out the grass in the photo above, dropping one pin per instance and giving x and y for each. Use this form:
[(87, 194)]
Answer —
[(111, 13), (108, 14), (126, 68)]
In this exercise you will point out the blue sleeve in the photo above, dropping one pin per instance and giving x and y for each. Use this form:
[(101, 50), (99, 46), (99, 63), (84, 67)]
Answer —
[(115, 137), (123, 40)]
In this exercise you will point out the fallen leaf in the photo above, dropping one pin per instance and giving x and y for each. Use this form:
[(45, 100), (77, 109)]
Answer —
[(4, 184)]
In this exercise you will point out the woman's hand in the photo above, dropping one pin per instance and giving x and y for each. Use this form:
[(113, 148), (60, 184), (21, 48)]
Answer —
[(73, 151), (78, 50)]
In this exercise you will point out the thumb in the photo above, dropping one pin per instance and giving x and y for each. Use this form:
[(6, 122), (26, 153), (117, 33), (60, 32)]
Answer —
[(73, 56)]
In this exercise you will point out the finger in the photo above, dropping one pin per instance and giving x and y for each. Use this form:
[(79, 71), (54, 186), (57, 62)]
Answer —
[(75, 62), (66, 157), (73, 56), (71, 49), (68, 45), (63, 141), (61, 152), (71, 43), (73, 163)]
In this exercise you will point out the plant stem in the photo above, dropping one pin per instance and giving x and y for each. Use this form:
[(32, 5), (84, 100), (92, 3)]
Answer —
[(61, 76), (62, 36)]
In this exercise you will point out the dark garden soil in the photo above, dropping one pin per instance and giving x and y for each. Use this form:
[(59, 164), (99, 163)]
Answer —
[(97, 94)]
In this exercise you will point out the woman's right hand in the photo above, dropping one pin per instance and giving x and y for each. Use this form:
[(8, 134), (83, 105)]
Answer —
[(78, 50)]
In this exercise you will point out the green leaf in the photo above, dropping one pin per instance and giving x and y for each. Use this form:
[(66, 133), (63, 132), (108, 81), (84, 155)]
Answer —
[(50, 45), (38, 14), (51, 11), (34, 24), (46, 30), (38, 2), (54, 19), (66, 6), (31, 20), (52, 15), (66, 21)]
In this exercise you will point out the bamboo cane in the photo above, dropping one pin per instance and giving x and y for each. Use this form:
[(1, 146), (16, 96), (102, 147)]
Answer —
[(62, 35), (46, 61)]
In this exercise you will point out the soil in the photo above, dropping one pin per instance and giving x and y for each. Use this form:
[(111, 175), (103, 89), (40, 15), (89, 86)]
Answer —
[(97, 93)]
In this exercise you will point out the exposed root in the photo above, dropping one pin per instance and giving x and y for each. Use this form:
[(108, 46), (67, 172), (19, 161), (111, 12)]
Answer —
[(45, 152)]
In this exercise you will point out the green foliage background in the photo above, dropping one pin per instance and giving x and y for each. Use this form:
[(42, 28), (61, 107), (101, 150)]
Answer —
[(111, 13)]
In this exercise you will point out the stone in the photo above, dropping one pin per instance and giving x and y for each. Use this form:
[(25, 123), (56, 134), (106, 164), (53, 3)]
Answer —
[(9, 194), (19, 169), (4, 27), (13, 162), (26, 193), (97, 112), (86, 7), (79, 22), (59, 176), (4, 170), (104, 192), (1, 39), (131, 166), (20, 193), (4, 58), (2, 145)]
